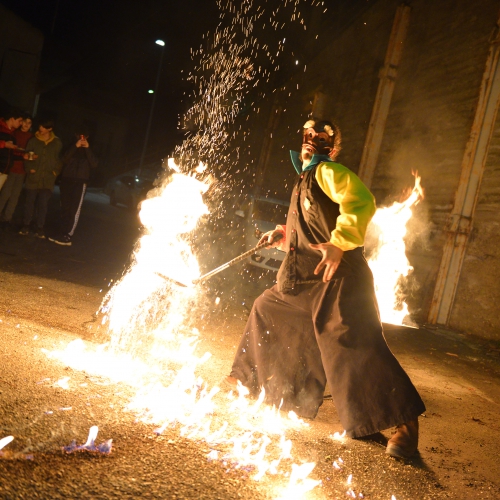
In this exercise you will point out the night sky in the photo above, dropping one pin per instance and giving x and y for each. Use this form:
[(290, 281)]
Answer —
[(104, 51), (108, 49)]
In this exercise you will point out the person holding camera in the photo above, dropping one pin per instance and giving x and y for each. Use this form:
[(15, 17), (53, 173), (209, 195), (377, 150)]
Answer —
[(77, 165)]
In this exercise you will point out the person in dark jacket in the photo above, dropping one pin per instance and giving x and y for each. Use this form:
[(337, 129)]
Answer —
[(41, 174), (77, 164), (13, 186), (320, 322), (8, 147)]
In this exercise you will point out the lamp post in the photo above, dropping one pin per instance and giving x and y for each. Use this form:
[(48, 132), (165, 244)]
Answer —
[(161, 43)]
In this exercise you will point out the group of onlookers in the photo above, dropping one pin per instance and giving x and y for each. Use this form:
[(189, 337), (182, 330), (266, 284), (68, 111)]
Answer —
[(35, 161)]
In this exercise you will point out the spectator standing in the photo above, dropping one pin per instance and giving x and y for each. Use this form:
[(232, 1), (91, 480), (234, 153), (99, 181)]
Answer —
[(13, 186), (8, 141), (41, 173), (77, 164)]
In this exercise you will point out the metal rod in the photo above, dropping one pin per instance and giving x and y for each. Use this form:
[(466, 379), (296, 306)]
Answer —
[(167, 278), (241, 257)]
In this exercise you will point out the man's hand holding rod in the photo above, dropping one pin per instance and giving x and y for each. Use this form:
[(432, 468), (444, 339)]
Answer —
[(275, 238)]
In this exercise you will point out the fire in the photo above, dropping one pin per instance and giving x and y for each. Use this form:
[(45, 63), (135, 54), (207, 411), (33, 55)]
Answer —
[(152, 349), (62, 383), (90, 444), (388, 261), (163, 250)]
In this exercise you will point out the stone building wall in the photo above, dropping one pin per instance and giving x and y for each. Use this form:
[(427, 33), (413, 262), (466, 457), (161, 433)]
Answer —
[(427, 130)]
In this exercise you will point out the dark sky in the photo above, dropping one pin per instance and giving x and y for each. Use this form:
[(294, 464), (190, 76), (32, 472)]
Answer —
[(108, 47), (104, 51)]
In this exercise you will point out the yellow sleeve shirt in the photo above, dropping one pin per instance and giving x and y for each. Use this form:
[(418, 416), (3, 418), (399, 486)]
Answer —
[(357, 204)]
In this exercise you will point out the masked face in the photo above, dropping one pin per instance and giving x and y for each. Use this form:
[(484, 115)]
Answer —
[(317, 139)]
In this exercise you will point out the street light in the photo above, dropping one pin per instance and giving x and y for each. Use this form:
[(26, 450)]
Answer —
[(161, 43)]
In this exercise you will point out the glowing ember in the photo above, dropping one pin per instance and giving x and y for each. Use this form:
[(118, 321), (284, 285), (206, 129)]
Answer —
[(337, 436), (5, 441), (62, 383), (388, 261), (90, 444)]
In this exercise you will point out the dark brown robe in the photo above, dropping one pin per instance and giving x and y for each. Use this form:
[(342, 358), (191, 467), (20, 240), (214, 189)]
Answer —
[(302, 332)]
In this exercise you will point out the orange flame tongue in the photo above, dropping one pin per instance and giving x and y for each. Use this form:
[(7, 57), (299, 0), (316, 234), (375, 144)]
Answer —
[(388, 261)]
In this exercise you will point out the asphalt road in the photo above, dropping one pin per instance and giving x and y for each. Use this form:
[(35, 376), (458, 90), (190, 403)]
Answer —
[(50, 295)]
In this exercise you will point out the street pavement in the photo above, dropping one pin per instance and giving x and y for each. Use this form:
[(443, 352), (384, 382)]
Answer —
[(50, 296)]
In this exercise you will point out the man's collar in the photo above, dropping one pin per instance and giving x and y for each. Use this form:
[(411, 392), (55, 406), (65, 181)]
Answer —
[(51, 137), (315, 160)]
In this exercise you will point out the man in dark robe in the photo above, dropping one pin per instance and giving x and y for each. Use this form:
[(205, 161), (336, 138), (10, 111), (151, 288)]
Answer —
[(320, 322)]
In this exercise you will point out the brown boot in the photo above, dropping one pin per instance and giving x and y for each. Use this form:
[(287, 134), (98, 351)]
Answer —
[(404, 443)]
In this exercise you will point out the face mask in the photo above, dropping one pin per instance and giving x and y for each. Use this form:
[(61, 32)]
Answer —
[(317, 138)]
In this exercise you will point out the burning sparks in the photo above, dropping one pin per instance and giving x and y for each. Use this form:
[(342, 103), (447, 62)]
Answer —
[(388, 261)]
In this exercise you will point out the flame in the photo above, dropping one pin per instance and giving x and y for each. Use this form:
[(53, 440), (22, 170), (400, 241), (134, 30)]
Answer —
[(300, 483), (5, 441), (92, 436), (104, 448), (337, 436), (171, 164), (152, 349), (163, 250), (388, 260)]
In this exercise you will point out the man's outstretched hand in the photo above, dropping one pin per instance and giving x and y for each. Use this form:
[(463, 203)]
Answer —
[(332, 256)]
